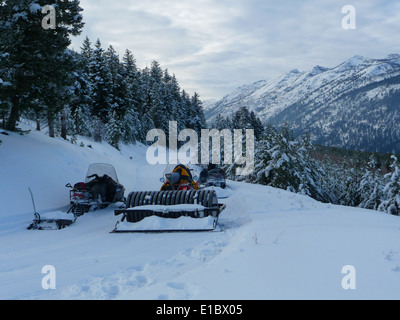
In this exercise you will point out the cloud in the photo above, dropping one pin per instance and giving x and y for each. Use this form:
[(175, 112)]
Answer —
[(214, 46)]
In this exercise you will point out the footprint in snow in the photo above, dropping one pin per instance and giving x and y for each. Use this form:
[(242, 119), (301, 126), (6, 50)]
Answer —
[(138, 281), (176, 285)]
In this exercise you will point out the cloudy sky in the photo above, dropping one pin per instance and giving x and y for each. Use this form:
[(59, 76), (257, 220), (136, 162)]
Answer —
[(214, 46)]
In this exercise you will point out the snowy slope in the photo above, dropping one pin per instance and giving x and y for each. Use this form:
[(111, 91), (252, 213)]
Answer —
[(274, 244)]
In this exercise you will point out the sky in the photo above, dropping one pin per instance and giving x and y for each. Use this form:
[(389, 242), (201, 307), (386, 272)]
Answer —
[(215, 46)]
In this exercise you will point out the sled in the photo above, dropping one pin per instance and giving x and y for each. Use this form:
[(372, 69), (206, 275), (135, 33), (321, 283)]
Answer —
[(100, 189), (179, 207), (170, 211)]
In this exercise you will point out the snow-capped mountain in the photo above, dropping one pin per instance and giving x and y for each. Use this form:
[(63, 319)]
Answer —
[(355, 105)]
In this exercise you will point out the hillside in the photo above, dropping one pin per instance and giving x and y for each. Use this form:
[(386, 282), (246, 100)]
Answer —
[(273, 244), (354, 105)]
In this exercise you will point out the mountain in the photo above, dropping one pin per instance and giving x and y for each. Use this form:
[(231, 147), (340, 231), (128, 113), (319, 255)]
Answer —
[(355, 105)]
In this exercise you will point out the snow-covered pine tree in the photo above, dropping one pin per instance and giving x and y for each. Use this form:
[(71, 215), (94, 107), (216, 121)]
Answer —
[(197, 120), (144, 112), (174, 100), (97, 129), (80, 105), (283, 170), (29, 47), (391, 204), (371, 186), (262, 159), (184, 110), (100, 83), (351, 195), (114, 74), (157, 109), (132, 97), (17, 56), (256, 124), (312, 174), (114, 130), (286, 163)]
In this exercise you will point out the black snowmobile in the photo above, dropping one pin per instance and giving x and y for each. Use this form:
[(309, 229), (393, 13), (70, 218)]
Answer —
[(212, 176), (100, 189)]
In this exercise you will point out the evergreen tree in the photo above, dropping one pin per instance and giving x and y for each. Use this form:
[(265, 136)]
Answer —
[(371, 186), (176, 101), (391, 204), (115, 88), (34, 53), (80, 105), (351, 195), (132, 98), (145, 115), (196, 119), (114, 130), (157, 109), (101, 85)]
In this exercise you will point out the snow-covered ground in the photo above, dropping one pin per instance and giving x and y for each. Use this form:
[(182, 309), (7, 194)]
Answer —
[(273, 244)]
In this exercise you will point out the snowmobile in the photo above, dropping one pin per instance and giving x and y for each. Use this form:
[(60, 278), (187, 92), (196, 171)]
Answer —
[(212, 177), (179, 179), (100, 189), (179, 206)]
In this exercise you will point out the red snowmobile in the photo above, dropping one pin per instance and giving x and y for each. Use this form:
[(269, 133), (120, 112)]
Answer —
[(100, 189)]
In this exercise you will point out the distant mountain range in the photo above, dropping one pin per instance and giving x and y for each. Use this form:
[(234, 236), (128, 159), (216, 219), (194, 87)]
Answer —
[(355, 105)]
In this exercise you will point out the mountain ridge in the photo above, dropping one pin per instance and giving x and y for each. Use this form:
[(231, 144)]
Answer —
[(354, 105)]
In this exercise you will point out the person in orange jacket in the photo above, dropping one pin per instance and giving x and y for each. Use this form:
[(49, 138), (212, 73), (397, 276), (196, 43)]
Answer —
[(185, 178)]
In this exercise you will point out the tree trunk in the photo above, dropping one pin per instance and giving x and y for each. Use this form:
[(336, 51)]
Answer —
[(37, 123), (14, 115), (63, 125), (50, 121)]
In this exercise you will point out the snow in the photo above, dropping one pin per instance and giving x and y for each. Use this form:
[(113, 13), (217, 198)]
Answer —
[(154, 223), (166, 209), (34, 8), (273, 244), (60, 215)]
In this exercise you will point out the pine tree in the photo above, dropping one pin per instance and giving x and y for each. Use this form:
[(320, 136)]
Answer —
[(371, 189), (116, 90), (144, 112), (175, 94), (391, 204), (34, 54), (114, 131), (284, 171), (80, 105), (131, 98), (100, 83), (351, 195), (157, 109), (196, 119)]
